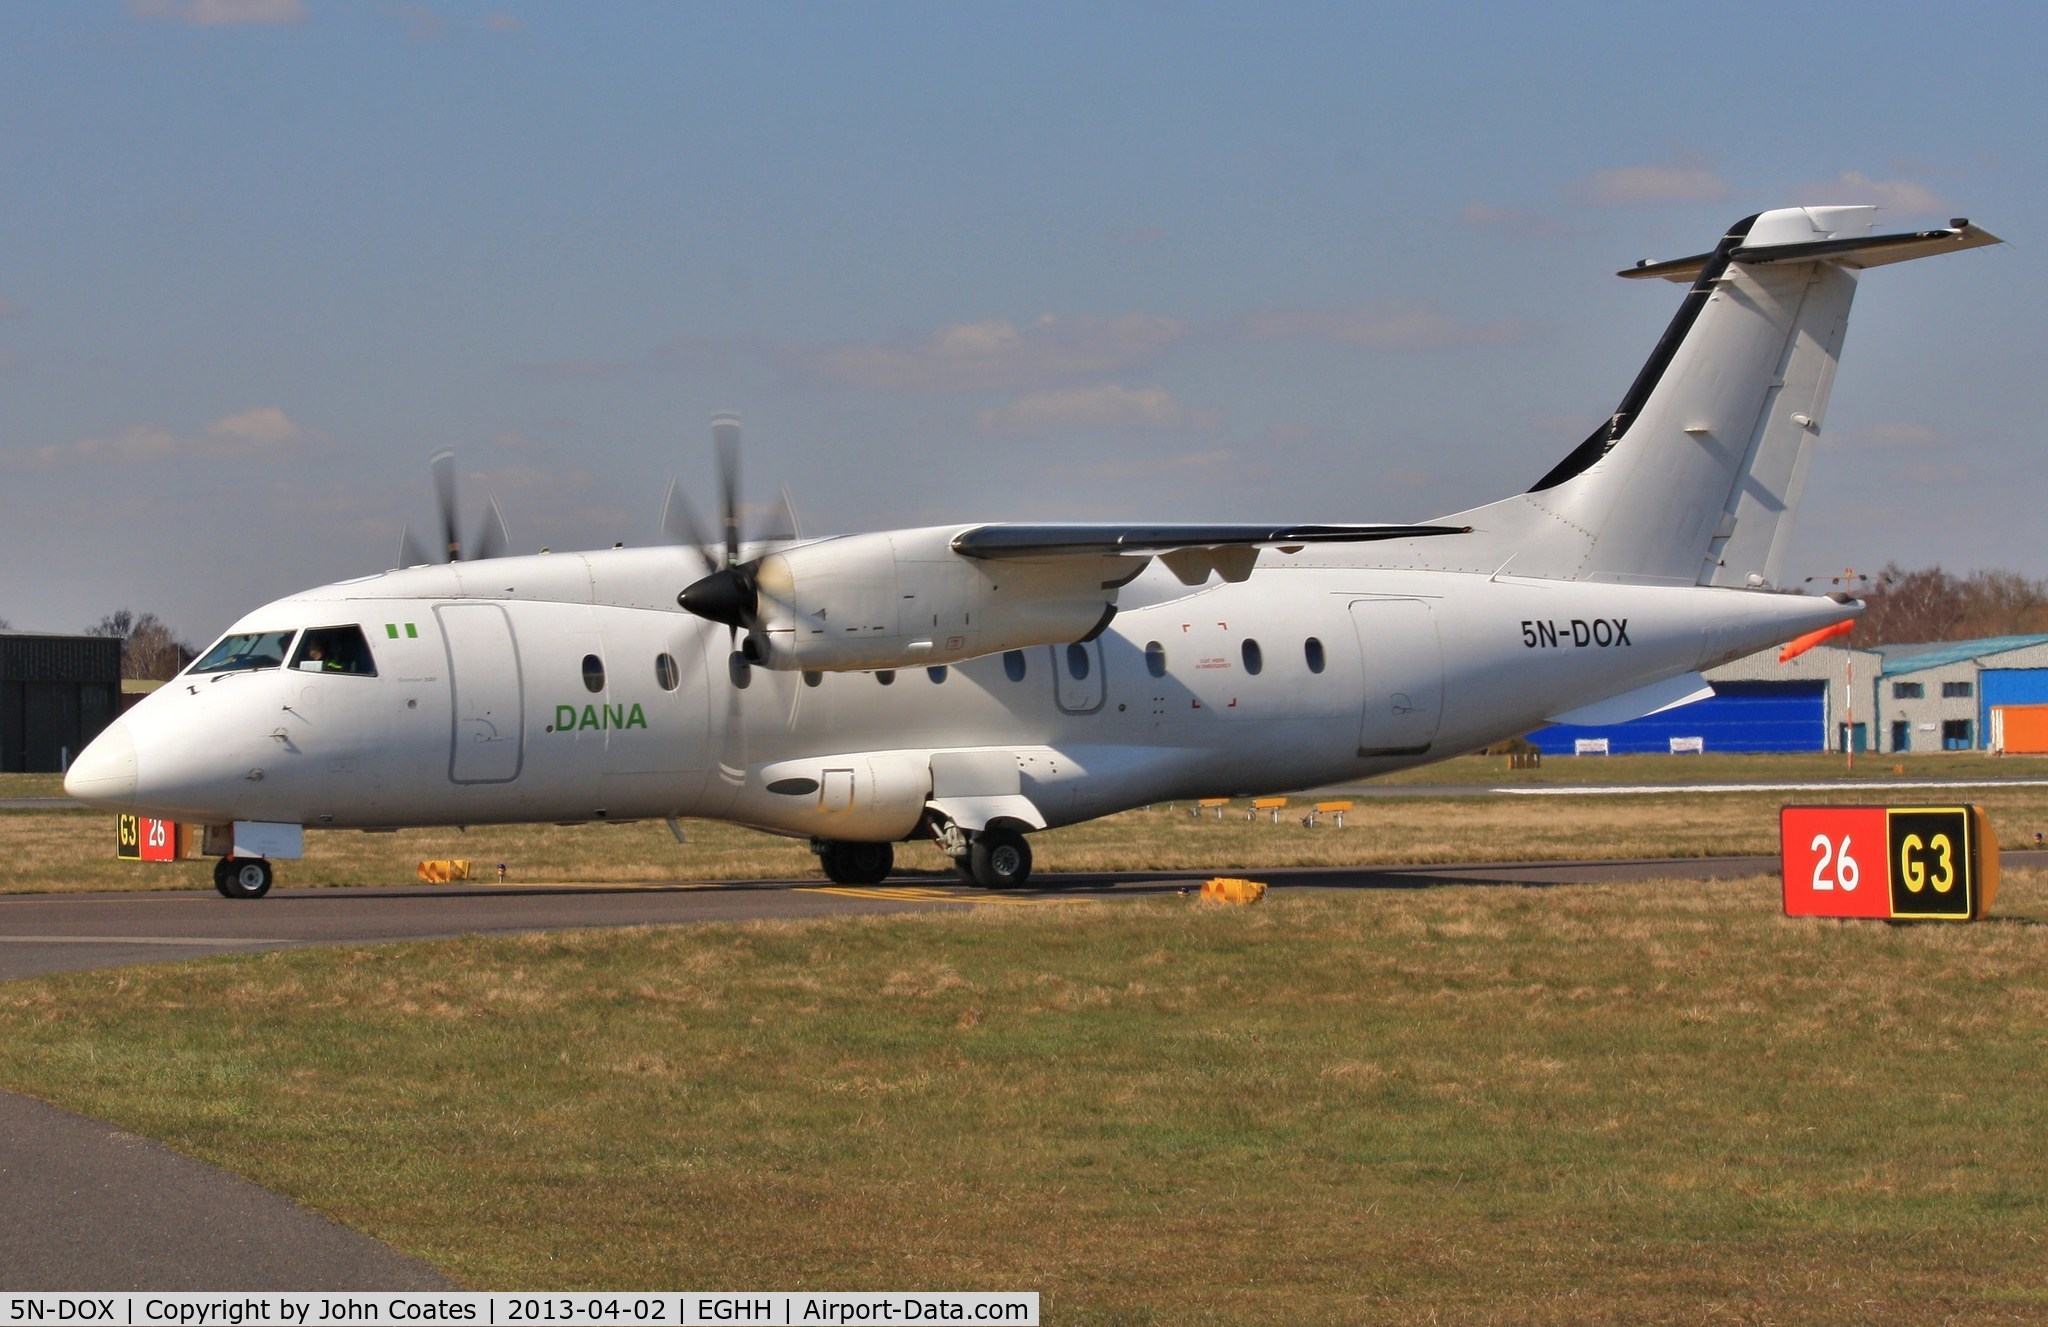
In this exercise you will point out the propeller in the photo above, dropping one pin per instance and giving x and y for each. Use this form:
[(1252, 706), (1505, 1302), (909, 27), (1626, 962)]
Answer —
[(491, 540), (729, 592)]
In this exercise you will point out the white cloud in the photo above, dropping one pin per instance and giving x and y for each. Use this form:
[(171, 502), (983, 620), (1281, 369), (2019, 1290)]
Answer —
[(1900, 195), (221, 13), (1391, 327), (1684, 181), (259, 434), (997, 354), (1106, 406)]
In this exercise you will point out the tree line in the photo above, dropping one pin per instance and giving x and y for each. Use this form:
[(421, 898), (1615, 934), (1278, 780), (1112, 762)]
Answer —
[(1910, 607), (149, 648)]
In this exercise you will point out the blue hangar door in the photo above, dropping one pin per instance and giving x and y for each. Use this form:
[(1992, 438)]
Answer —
[(1740, 716)]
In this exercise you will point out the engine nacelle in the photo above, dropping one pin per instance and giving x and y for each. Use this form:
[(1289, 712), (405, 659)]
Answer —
[(905, 599)]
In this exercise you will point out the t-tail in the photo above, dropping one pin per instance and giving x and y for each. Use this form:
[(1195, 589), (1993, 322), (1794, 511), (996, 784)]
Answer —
[(1694, 477)]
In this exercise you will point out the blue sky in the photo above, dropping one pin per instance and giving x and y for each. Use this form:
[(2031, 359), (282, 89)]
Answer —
[(260, 258)]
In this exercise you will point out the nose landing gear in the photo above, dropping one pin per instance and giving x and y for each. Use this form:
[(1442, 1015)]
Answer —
[(242, 877)]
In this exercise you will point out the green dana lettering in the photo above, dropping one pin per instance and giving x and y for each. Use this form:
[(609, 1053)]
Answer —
[(636, 719), (565, 718), (615, 716), (590, 719)]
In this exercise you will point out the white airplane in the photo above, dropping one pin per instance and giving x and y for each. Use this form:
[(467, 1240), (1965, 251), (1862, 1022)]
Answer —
[(972, 683)]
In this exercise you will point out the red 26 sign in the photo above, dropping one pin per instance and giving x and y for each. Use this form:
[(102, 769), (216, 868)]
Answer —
[(1835, 861)]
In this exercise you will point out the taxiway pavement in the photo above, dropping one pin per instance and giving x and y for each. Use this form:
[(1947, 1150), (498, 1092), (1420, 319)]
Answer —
[(47, 933)]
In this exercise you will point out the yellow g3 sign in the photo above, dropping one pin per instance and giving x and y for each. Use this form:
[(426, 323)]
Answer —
[(1931, 861), (1915, 868), (128, 838)]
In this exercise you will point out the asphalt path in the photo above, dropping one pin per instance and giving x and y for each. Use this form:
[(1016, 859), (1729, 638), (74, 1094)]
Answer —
[(48, 933), (89, 1207)]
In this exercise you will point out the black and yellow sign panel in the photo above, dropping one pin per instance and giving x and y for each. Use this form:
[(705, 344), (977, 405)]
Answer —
[(1933, 866)]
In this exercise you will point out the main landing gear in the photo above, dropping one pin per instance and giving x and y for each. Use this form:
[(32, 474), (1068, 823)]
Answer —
[(242, 877), (855, 863), (992, 858), (997, 859)]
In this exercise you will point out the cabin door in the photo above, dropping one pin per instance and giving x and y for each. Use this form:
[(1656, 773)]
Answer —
[(1404, 676), (489, 734)]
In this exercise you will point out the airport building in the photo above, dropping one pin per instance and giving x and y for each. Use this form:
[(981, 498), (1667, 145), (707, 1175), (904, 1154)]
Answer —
[(56, 694), (1973, 695)]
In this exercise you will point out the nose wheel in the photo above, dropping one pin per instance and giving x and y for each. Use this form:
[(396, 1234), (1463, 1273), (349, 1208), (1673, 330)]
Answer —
[(242, 877)]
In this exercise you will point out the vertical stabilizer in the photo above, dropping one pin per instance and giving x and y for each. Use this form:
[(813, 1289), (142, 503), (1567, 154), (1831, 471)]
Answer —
[(1694, 477)]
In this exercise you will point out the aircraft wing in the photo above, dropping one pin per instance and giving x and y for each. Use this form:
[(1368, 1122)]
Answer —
[(1050, 541), (1190, 552)]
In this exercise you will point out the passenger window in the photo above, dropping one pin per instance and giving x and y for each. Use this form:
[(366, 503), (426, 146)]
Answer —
[(1254, 659), (335, 650), (936, 673), (1155, 659), (593, 673), (665, 673), (250, 650), (1077, 661), (1013, 664), (1313, 650)]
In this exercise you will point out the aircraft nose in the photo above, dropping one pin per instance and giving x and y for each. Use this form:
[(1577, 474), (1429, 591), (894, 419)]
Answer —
[(104, 773)]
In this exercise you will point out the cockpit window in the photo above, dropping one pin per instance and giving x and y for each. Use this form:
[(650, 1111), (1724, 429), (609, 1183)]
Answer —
[(334, 650), (250, 650)]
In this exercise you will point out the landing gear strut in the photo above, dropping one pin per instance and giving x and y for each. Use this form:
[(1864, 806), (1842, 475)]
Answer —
[(242, 877), (855, 863)]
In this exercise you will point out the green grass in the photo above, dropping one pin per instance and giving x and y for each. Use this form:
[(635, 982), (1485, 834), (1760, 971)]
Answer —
[(1643, 1103), (31, 785)]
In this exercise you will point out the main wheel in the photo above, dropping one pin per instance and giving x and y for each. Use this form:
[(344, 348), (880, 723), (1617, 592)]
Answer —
[(1000, 859), (857, 863), (242, 877)]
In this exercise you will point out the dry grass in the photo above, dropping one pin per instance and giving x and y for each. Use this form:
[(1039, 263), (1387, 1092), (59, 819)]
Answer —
[(1626, 1104), (74, 850)]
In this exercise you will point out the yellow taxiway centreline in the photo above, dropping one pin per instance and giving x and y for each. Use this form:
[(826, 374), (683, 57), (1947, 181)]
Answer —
[(913, 894)]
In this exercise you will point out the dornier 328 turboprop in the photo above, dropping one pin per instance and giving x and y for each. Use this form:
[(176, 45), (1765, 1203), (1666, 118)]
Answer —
[(971, 683)]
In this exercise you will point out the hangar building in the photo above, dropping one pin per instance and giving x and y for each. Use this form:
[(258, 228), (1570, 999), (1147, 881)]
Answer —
[(56, 694), (1989, 694)]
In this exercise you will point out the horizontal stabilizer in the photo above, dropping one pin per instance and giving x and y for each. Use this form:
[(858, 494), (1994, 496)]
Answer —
[(1652, 699), (1851, 251), (1044, 541)]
